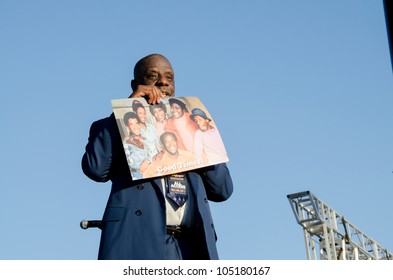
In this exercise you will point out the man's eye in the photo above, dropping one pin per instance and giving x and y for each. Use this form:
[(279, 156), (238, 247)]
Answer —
[(169, 78), (152, 76)]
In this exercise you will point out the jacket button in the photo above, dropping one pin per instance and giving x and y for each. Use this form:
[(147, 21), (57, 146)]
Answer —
[(140, 187), (205, 199), (138, 212), (212, 226)]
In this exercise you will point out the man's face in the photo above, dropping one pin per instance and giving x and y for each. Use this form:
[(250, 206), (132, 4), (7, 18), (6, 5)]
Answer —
[(177, 111), (170, 144), (159, 114), (158, 72), (202, 123), (141, 113), (134, 126)]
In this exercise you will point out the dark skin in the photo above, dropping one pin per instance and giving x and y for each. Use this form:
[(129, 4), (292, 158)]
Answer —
[(153, 79)]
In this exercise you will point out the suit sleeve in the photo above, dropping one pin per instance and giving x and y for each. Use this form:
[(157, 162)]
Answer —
[(218, 182), (101, 149)]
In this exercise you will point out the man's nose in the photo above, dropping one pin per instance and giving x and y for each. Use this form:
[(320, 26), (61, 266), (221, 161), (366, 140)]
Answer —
[(162, 81)]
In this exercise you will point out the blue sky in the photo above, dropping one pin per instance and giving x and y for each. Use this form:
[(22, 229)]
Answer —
[(301, 92)]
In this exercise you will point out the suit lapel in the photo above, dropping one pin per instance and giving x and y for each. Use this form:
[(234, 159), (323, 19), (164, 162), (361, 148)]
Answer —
[(158, 183)]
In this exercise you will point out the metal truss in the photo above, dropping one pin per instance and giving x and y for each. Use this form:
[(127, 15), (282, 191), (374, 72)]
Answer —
[(328, 235)]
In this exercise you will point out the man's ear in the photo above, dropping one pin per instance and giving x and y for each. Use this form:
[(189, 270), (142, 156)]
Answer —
[(133, 85)]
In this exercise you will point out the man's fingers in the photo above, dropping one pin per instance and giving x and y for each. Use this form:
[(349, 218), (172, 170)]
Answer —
[(152, 94)]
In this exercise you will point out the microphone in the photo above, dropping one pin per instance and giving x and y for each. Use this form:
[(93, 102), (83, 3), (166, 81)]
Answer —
[(85, 224)]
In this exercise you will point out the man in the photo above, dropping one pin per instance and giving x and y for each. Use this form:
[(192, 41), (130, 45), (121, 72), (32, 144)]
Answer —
[(137, 154), (173, 159), (208, 145), (159, 113), (137, 223), (148, 131)]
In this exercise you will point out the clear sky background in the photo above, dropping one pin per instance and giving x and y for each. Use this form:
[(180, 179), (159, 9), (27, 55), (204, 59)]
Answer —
[(301, 91)]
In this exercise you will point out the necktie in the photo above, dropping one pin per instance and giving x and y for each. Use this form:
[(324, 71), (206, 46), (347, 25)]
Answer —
[(176, 188)]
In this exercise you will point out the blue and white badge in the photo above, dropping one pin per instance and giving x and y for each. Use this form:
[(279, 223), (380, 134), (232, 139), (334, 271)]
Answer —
[(177, 188)]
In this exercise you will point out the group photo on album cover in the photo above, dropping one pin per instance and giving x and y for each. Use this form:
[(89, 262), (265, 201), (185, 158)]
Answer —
[(174, 136)]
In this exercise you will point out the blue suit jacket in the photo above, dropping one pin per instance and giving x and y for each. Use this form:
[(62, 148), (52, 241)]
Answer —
[(135, 217)]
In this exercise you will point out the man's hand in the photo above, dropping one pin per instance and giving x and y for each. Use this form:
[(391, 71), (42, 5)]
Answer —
[(151, 93)]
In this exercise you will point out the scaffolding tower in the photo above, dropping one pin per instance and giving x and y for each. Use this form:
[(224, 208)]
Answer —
[(328, 235)]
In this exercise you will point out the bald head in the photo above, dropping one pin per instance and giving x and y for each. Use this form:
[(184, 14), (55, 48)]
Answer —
[(154, 69), (143, 64)]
